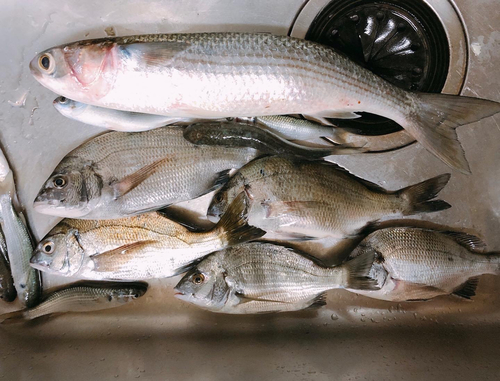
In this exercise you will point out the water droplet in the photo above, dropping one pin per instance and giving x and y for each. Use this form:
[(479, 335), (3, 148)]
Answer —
[(334, 317), (354, 18)]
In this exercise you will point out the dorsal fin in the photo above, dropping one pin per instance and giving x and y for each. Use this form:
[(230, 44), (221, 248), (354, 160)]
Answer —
[(468, 289), (468, 241)]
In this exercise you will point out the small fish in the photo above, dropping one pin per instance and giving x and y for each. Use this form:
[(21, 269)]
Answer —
[(116, 120), (27, 280), (234, 134), (7, 289), (120, 174), (420, 264), (262, 277), (136, 248), (80, 297), (292, 128), (220, 75), (299, 199)]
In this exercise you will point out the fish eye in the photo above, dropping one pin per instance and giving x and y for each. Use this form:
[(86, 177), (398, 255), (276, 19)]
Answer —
[(198, 278), (135, 296), (218, 197), (59, 182), (46, 62), (48, 247), (63, 100)]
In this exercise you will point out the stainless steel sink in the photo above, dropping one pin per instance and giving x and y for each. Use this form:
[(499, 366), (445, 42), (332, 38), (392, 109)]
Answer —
[(159, 337)]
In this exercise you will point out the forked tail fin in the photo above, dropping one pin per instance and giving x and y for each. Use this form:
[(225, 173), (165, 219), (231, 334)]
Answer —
[(418, 198), (435, 119)]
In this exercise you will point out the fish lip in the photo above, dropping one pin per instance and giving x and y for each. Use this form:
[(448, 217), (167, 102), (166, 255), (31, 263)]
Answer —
[(212, 218), (38, 266)]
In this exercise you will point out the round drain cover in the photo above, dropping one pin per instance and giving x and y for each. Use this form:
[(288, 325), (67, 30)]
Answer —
[(402, 41)]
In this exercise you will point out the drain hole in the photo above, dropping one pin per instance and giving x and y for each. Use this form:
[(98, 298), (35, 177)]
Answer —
[(402, 41)]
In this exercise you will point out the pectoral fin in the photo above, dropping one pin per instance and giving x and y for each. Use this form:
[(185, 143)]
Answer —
[(131, 181), (108, 261)]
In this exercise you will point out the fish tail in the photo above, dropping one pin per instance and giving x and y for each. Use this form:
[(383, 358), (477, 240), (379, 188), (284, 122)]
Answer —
[(435, 117), (13, 317), (234, 223), (358, 270), (417, 198)]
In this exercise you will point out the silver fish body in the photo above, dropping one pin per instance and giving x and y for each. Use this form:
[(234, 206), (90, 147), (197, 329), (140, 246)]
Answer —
[(419, 264), (27, 280), (290, 198), (262, 278), (7, 289), (135, 248), (116, 120), (120, 174), (81, 297), (214, 75)]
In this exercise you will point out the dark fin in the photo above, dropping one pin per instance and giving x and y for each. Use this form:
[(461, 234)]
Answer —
[(319, 119), (179, 216), (358, 270), (290, 236), (156, 54), (437, 116), (13, 317), (318, 302), (221, 178), (129, 182), (417, 196), (468, 241), (234, 223), (104, 261), (468, 289)]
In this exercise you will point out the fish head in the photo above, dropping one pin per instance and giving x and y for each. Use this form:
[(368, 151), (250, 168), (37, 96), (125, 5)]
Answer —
[(72, 190), (124, 294), (69, 107), (226, 195), (60, 252), (205, 285), (206, 133), (83, 70)]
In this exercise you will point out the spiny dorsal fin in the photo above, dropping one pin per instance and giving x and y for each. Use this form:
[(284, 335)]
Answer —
[(468, 241), (468, 289)]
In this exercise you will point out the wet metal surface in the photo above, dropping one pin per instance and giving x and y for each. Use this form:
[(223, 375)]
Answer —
[(160, 337)]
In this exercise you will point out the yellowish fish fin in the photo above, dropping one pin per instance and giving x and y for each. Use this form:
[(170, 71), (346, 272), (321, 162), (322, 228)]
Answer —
[(468, 289), (418, 197), (435, 119), (106, 261), (129, 182), (246, 299), (234, 223)]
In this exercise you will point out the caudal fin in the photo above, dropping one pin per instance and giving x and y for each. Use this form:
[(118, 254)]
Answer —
[(358, 270), (13, 317), (437, 116), (234, 223), (417, 198)]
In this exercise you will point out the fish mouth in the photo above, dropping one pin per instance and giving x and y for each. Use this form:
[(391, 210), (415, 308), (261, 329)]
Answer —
[(54, 208), (39, 266)]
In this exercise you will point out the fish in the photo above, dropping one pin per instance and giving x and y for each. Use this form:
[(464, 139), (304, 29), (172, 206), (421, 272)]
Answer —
[(293, 199), (234, 134), (136, 248), (116, 120), (217, 75), (419, 264), (262, 277), (80, 297), (292, 128), (7, 289), (120, 174)]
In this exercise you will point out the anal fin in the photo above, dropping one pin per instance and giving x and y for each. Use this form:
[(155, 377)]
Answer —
[(468, 289), (318, 301)]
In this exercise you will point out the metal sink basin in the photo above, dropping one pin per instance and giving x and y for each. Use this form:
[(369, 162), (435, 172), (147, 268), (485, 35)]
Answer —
[(160, 337)]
